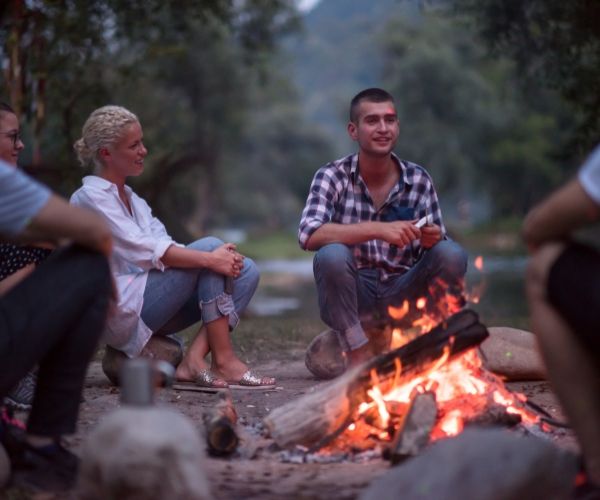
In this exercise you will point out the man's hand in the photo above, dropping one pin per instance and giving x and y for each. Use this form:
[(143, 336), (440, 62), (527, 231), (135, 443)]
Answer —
[(430, 235), (399, 233)]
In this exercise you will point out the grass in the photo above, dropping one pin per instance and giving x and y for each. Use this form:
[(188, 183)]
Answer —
[(276, 245)]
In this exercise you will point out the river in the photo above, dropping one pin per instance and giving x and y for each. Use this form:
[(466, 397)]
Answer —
[(287, 289)]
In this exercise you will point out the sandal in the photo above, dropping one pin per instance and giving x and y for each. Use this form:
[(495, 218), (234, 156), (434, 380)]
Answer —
[(205, 381), (252, 381)]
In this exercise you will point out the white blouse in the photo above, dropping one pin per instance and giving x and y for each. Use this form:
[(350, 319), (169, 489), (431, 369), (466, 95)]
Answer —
[(140, 241)]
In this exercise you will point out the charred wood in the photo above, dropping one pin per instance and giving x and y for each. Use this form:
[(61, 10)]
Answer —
[(415, 429), (219, 426)]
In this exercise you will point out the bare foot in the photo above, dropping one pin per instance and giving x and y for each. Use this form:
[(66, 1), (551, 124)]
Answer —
[(360, 355), (185, 372), (233, 369)]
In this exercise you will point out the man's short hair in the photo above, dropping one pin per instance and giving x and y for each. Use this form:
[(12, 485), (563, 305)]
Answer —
[(370, 95)]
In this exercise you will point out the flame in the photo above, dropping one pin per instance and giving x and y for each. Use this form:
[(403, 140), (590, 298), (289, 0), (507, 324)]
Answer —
[(399, 312), (376, 395), (478, 263), (462, 387), (452, 423)]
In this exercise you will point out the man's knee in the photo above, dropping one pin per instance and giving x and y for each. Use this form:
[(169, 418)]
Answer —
[(333, 259), (452, 257), (207, 244)]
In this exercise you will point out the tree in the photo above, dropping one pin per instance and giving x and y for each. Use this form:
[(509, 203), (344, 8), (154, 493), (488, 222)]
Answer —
[(180, 65), (464, 117), (555, 42)]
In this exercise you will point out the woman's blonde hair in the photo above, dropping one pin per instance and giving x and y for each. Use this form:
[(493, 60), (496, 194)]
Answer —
[(103, 128)]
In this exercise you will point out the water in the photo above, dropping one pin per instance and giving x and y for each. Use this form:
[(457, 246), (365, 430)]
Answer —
[(287, 290)]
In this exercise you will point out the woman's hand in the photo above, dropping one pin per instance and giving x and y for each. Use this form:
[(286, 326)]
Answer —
[(226, 260)]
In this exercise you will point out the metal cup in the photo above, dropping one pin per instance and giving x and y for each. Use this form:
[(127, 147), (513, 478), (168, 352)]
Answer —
[(139, 378)]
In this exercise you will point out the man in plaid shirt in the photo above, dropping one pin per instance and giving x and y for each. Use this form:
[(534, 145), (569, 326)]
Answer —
[(361, 217)]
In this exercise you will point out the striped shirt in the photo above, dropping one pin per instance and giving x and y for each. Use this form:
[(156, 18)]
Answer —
[(338, 194), (21, 198)]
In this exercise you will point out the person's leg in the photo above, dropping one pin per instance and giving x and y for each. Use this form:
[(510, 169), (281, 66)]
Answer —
[(438, 277), (343, 292), (54, 318), (220, 314), (572, 370)]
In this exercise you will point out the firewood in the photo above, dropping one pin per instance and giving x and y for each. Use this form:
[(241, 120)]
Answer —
[(316, 417), (415, 429), (219, 426)]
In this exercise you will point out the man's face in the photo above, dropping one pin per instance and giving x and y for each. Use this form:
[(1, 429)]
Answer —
[(376, 128)]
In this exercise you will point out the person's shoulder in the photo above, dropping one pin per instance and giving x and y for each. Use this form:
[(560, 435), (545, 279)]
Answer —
[(13, 179), (413, 172), (342, 167), (93, 188)]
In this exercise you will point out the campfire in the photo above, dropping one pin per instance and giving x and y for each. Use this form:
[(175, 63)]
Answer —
[(429, 386)]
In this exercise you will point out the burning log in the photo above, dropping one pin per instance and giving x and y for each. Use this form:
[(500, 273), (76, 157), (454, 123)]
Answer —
[(219, 426), (319, 417), (415, 429)]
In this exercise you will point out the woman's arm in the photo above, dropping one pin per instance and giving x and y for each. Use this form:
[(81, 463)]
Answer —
[(223, 260)]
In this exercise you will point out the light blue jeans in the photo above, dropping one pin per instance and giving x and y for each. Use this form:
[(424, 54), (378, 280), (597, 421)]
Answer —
[(177, 298), (351, 298)]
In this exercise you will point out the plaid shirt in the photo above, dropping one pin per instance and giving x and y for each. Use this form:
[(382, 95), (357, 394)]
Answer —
[(338, 194)]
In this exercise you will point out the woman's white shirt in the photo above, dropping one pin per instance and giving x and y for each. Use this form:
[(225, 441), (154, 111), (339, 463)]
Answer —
[(140, 241)]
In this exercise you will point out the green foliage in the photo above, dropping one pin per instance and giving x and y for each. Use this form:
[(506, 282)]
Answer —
[(464, 118), (273, 245), (186, 68), (554, 42)]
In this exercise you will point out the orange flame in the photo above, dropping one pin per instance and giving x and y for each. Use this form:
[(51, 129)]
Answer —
[(399, 312), (462, 387), (478, 263)]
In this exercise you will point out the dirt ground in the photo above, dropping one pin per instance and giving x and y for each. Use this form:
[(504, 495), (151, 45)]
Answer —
[(258, 470)]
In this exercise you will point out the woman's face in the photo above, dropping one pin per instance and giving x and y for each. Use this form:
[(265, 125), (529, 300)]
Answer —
[(10, 139), (126, 157)]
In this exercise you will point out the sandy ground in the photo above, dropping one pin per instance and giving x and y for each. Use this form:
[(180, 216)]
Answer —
[(259, 472)]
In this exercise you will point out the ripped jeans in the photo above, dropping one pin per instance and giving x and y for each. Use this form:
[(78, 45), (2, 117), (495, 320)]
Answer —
[(177, 298)]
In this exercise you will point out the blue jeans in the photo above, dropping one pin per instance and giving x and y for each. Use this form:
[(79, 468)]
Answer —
[(349, 296), (177, 298)]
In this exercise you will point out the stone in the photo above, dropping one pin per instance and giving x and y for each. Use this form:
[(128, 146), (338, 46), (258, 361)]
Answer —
[(143, 453), (158, 348), (490, 464), (325, 358), (512, 354)]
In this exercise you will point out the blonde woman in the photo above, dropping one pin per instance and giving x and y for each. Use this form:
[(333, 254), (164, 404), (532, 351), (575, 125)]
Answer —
[(163, 286)]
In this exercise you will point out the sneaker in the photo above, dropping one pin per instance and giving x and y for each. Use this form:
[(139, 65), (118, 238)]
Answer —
[(50, 468), (21, 396)]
